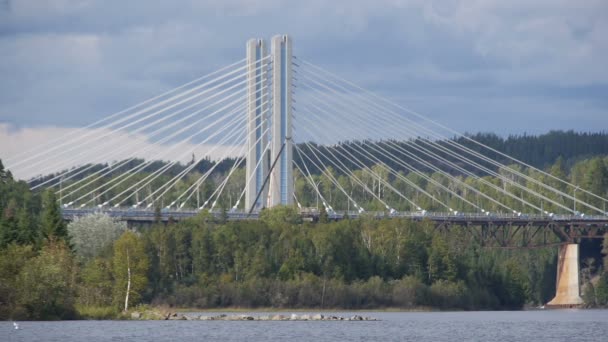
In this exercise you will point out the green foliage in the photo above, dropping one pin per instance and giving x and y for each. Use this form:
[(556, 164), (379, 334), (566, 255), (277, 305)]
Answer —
[(280, 216), (601, 290), (410, 292), (281, 261), (53, 225), (97, 312), (12, 262), (605, 250), (96, 284), (47, 283), (93, 233), (130, 266)]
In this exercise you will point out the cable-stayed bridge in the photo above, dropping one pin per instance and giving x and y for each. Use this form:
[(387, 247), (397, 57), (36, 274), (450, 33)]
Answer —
[(274, 129), (351, 150)]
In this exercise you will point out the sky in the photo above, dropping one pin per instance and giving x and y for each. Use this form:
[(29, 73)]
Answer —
[(508, 67)]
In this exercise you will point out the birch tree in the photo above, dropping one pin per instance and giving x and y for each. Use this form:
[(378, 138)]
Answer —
[(130, 268)]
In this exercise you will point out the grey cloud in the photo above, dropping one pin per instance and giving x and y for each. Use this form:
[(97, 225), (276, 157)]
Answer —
[(67, 63)]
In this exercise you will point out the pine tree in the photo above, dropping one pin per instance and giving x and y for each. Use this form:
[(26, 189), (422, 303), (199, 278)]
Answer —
[(52, 221), (5, 175)]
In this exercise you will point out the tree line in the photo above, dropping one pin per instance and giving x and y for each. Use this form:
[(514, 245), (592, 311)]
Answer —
[(574, 157), (96, 266)]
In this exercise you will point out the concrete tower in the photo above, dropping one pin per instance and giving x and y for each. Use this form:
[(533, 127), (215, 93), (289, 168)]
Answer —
[(281, 178), (257, 114)]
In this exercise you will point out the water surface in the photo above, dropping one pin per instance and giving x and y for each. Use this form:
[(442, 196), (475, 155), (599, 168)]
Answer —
[(548, 325)]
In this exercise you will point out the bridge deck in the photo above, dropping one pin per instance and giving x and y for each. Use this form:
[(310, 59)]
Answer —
[(459, 218)]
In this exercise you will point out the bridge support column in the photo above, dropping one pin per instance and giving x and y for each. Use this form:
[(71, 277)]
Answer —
[(567, 292), (257, 107), (281, 177)]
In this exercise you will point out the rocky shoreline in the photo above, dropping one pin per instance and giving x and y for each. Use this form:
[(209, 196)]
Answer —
[(175, 316)]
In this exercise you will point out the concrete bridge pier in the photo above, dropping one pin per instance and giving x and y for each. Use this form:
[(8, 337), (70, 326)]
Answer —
[(567, 293)]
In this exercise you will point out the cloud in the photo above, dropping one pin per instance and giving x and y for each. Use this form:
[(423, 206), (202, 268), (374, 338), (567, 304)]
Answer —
[(67, 63), (30, 152)]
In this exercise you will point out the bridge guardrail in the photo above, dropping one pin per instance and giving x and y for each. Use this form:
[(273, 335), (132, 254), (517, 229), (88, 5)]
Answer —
[(128, 213)]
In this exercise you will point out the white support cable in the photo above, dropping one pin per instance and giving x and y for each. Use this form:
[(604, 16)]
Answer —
[(358, 162), (257, 165), (204, 176), (328, 114), (221, 92), (464, 147), (355, 110), (500, 176), (176, 178), (223, 184), (164, 168), (357, 180), (66, 141), (162, 128), (410, 155), (156, 113), (134, 155), (395, 172), (389, 155), (435, 156), (449, 190), (452, 131), (148, 180), (132, 122), (402, 163), (312, 183), (141, 166), (166, 138), (330, 176), (151, 177), (184, 140), (540, 195), (179, 176), (183, 173)]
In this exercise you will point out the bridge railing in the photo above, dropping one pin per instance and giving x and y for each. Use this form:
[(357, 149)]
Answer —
[(132, 213)]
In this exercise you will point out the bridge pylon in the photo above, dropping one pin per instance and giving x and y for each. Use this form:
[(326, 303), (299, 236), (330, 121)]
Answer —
[(567, 292), (257, 122), (281, 176), (269, 174)]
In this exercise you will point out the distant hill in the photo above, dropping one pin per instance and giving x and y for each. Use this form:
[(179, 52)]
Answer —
[(542, 150), (537, 150)]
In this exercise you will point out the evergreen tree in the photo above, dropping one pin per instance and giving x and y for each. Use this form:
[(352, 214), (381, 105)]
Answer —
[(5, 175), (157, 214), (605, 252), (9, 230), (52, 221), (323, 215)]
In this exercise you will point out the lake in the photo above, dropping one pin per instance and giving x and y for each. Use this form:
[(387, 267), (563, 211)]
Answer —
[(547, 325)]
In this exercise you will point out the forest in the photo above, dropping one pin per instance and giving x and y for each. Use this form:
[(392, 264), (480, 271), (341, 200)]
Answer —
[(381, 180), (95, 267)]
